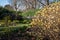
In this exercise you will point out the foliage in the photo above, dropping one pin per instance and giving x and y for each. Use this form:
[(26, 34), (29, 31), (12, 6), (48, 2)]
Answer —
[(12, 29), (48, 21), (8, 7), (13, 33), (7, 15), (5, 12), (29, 12)]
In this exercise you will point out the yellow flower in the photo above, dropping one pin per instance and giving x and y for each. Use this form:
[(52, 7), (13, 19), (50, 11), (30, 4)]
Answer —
[(48, 16)]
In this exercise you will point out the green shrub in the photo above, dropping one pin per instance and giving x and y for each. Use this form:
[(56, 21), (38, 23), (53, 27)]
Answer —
[(29, 12), (8, 30)]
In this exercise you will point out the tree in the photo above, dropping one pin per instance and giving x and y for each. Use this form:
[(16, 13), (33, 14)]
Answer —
[(31, 4), (41, 3), (28, 4), (4, 13), (47, 2), (56, 0), (9, 7), (15, 3)]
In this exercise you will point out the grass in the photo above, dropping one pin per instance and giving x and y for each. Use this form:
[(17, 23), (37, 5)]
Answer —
[(12, 29), (18, 26)]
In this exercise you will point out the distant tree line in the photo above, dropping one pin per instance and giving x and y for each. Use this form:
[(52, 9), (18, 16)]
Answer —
[(6, 12), (30, 4)]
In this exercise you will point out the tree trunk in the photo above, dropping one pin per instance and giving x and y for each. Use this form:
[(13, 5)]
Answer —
[(6, 21), (47, 2)]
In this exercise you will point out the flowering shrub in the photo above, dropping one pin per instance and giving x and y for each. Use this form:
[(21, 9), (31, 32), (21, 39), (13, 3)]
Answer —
[(48, 20)]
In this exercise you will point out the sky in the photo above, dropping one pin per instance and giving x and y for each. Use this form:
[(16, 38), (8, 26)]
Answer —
[(4, 2)]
